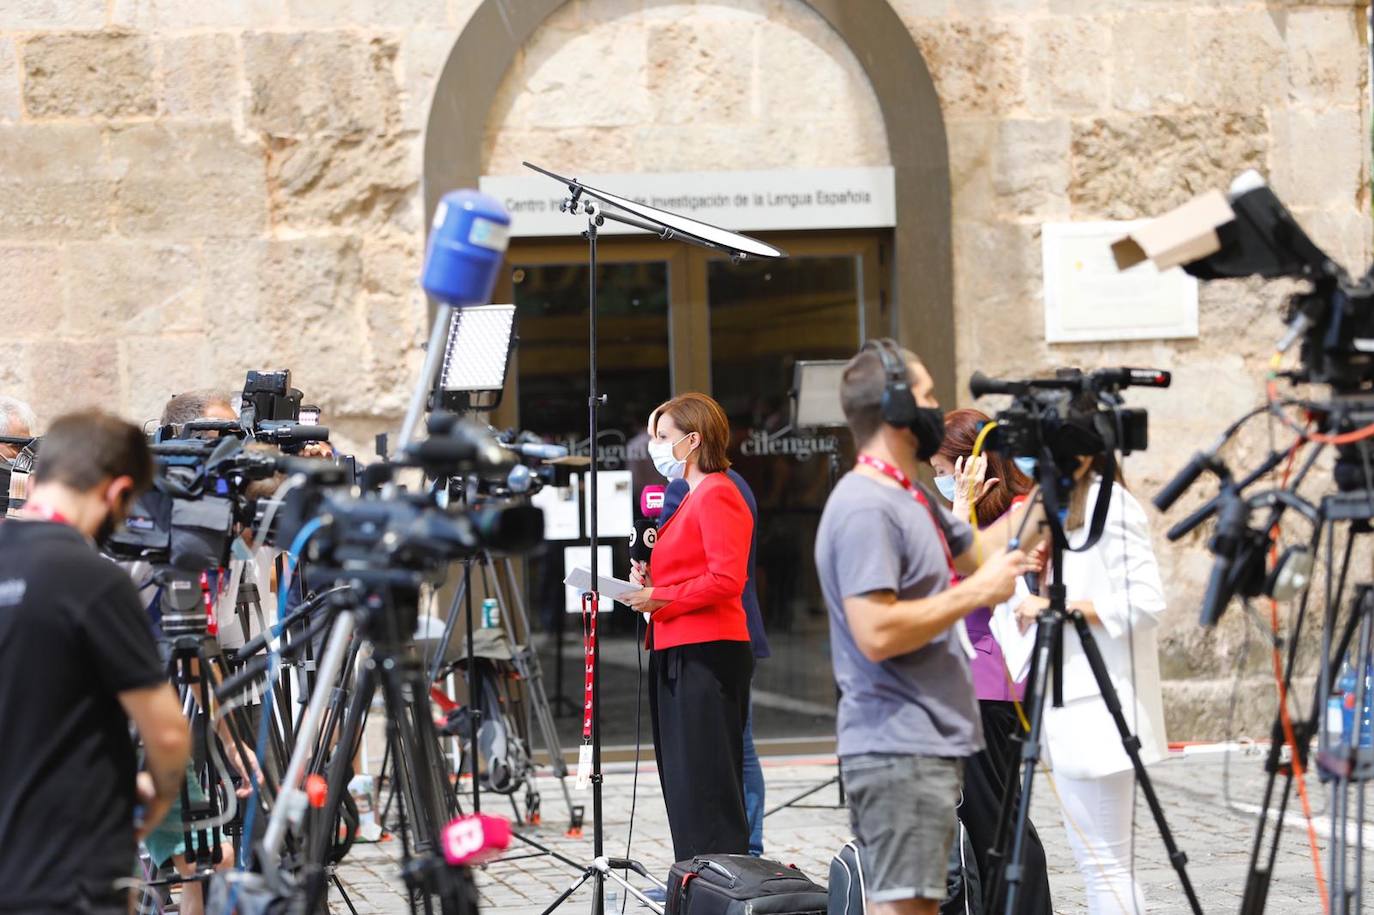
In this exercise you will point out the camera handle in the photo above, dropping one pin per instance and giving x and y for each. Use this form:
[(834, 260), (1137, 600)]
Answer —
[(1046, 662)]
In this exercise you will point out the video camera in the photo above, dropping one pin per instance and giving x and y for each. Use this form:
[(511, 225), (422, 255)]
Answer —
[(1252, 233), (1072, 415), (417, 532), (14, 472), (271, 412), (187, 519)]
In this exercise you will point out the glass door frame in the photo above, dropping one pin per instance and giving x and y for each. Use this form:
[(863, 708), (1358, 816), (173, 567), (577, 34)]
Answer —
[(689, 317)]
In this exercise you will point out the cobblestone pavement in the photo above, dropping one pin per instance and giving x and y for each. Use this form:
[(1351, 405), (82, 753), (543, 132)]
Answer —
[(1211, 813)]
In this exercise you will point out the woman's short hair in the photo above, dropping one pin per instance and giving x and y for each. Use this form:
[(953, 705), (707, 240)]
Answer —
[(961, 431), (698, 413)]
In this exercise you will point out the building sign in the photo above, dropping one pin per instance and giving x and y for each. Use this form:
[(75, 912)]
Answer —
[(754, 201), (787, 443), (1087, 298)]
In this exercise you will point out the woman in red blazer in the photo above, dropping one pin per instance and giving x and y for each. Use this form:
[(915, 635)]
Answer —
[(701, 662)]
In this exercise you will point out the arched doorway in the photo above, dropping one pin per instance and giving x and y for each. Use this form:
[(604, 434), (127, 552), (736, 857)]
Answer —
[(923, 292), (675, 318)]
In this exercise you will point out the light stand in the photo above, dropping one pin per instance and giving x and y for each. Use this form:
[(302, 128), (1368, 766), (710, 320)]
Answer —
[(815, 406), (598, 206)]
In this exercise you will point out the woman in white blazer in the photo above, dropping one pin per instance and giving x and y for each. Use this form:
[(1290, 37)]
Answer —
[(1117, 587)]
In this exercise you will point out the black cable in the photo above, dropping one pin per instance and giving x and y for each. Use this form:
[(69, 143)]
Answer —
[(639, 737)]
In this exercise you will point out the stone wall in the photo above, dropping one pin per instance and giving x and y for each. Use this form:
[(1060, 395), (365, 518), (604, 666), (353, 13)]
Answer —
[(1054, 110), (190, 189), (1122, 110)]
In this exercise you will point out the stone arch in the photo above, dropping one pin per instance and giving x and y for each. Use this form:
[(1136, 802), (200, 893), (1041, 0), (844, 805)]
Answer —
[(923, 270)]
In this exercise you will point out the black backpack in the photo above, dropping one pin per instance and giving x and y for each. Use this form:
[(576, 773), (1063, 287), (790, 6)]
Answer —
[(741, 885), (963, 888)]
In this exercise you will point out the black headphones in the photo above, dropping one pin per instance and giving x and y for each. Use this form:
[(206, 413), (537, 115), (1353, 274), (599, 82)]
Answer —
[(898, 404)]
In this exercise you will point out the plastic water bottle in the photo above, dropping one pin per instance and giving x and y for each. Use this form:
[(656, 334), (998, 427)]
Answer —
[(491, 613), (1335, 712), (1348, 686)]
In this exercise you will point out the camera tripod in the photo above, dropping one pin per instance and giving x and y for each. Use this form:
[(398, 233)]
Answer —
[(499, 579), (1348, 767), (382, 606), (195, 665), (1046, 674)]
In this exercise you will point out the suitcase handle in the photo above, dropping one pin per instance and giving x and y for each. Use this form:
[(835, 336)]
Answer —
[(706, 864)]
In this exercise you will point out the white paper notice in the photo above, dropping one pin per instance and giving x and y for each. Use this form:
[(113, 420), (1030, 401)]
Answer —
[(1087, 298), (615, 507), (580, 557), (560, 507)]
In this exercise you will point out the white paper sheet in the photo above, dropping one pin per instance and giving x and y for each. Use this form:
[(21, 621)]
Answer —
[(580, 557), (580, 578)]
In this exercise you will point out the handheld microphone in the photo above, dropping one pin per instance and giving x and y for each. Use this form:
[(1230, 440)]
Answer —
[(645, 533), (475, 839), (642, 539), (651, 500), (467, 243)]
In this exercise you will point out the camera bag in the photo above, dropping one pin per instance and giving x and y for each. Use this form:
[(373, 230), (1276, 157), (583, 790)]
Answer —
[(846, 881), (741, 885)]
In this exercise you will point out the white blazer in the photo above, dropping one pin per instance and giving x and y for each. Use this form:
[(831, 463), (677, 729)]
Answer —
[(1121, 577)]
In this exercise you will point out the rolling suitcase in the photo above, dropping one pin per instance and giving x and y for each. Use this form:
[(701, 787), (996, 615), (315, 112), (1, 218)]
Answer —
[(741, 885)]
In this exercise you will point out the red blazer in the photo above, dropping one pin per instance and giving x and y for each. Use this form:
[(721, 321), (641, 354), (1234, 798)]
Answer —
[(700, 565)]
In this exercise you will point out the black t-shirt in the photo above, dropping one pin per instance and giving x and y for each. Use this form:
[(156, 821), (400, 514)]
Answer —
[(73, 635)]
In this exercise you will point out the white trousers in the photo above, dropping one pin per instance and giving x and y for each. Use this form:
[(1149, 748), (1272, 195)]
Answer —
[(1097, 815)]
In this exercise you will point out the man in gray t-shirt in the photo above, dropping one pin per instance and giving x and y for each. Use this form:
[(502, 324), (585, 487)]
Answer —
[(877, 538), (887, 556)]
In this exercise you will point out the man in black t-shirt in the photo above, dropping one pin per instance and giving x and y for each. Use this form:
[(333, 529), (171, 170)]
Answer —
[(77, 664)]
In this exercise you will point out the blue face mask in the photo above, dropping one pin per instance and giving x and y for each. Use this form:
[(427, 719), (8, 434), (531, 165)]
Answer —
[(946, 486), (1026, 465)]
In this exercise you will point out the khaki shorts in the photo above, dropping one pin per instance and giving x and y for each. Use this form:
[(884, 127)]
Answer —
[(902, 812)]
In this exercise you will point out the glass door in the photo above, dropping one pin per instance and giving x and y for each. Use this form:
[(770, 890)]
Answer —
[(765, 316), (674, 319)]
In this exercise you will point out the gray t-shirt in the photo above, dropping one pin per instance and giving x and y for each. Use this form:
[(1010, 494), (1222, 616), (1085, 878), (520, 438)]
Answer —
[(875, 537)]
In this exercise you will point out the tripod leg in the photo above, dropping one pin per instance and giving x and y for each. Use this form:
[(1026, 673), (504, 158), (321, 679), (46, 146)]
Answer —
[(1131, 744), (339, 768), (586, 875), (1008, 877), (333, 660)]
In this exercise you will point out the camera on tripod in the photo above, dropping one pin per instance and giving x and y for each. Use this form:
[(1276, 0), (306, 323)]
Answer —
[(186, 520), (418, 532), (1074, 414)]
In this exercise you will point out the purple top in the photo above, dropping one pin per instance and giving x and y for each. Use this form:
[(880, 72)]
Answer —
[(988, 666)]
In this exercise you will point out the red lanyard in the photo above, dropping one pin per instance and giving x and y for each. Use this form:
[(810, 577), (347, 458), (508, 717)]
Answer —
[(46, 513), (590, 607), (895, 473)]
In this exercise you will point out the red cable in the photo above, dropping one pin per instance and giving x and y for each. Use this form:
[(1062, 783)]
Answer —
[(1285, 718)]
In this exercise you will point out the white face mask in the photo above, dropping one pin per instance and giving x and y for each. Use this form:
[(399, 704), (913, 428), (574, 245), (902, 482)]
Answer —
[(662, 455)]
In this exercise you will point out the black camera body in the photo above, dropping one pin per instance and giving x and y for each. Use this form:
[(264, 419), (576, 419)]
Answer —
[(187, 519), (1074, 414), (272, 412)]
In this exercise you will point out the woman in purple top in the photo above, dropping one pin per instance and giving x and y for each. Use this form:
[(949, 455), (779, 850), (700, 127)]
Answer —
[(997, 482)]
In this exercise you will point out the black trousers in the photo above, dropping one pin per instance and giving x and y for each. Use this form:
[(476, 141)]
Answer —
[(698, 701), (985, 777)]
